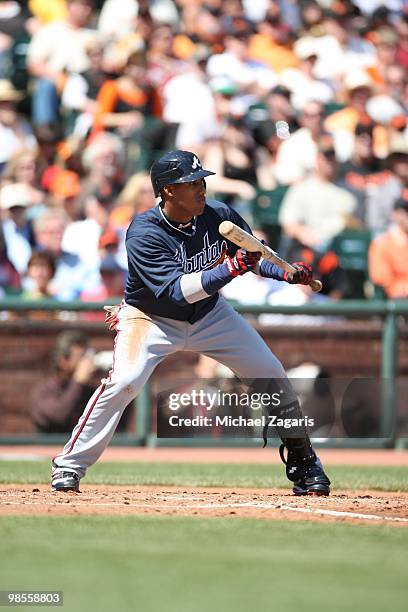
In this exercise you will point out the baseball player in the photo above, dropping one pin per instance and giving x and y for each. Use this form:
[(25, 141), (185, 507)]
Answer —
[(178, 261)]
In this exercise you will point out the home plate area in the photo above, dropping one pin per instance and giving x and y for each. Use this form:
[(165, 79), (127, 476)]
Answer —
[(269, 504)]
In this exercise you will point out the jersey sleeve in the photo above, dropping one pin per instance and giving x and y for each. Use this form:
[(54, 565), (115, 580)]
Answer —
[(223, 212), (153, 261)]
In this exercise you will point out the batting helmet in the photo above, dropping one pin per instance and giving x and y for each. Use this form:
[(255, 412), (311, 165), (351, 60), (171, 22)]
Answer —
[(176, 167)]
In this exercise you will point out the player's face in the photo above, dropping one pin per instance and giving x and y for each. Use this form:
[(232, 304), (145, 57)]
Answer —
[(189, 198)]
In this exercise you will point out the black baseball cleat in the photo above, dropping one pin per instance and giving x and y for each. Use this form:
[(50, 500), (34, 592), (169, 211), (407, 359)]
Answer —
[(65, 481), (308, 476)]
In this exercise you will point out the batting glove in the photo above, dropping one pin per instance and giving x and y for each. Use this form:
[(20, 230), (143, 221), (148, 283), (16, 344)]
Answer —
[(302, 276), (242, 262)]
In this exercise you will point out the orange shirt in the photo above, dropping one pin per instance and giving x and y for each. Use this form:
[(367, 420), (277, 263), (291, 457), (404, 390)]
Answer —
[(278, 57), (113, 97), (387, 262)]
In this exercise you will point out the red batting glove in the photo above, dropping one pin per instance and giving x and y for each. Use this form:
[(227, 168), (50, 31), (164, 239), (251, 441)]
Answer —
[(242, 262), (302, 276)]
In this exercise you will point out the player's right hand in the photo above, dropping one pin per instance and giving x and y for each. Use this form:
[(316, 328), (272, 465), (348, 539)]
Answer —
[(242, 262), (302, 276)]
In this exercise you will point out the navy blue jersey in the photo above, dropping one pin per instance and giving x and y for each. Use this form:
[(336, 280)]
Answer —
[(159, 254)]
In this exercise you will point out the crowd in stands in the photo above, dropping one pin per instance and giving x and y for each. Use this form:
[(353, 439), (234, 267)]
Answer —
[(299, 106)]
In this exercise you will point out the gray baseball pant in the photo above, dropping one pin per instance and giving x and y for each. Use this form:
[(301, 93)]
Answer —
[(142, 342)]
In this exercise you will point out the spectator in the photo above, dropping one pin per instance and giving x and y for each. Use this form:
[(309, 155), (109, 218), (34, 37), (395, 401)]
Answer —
[(82, 236), (388, 253), (385, 40), (104, 162), (118, 50), (387, 106), (116, 18), (23, 168), (9, 277), (112, 282), (382, 196), (162, 64), (72, 275), (233, 160), (65, 188), (271, 43), (81, 90), (202, 31), (297, 156), (125, 102), (189, 108), (302, 81), (108, 244), (315, 210), (137, 197), (56, 402), (130, 107), (312, 16), (40, 272), (342, 123), (55, 50), (340, 51), (48, 137), (15, 23), (278, 112), (17, 228), (260, 86), (15, 131), (363, 171), (251, 77)]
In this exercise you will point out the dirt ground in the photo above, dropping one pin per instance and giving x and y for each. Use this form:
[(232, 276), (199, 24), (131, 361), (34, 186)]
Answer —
[(362, 507), (342, 506)]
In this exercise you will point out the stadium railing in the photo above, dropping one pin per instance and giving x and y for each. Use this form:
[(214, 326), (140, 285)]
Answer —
[(391, 313)]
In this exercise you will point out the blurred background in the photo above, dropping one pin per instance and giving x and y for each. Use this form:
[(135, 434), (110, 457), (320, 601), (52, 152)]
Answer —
[(300, 107)]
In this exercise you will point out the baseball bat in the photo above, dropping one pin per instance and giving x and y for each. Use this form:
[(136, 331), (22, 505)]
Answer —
[(241, 238)]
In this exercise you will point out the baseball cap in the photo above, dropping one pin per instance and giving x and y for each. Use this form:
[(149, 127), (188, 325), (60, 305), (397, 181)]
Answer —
[(357, 80), (65, 184), (15, 194), (109, 264), (108, 238), (8, 93), (280, 90), (305, 47), (223, 85)]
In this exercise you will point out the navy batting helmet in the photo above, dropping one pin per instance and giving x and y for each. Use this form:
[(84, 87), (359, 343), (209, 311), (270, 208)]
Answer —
[(176, 167)]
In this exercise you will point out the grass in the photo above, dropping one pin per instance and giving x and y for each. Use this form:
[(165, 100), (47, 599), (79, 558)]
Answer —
[(174, 564), (381, 478), (191, 564)]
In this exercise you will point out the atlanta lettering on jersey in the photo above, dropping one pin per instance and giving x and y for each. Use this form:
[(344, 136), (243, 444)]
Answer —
[(210, 255)]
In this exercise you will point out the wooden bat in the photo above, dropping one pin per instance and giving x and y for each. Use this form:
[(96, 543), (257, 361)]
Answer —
[(241, 238)]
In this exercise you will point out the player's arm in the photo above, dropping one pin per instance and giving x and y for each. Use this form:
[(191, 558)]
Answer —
[(267, 269), (161, 271)]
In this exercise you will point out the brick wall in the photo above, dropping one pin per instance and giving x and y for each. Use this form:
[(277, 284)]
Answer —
[(345, 348)]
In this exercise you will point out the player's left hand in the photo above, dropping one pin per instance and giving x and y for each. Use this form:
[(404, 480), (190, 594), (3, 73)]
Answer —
[(302, 276), (242, 262)]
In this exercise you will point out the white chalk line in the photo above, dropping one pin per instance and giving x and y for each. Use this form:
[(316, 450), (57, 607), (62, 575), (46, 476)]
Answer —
[(227, 505)]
